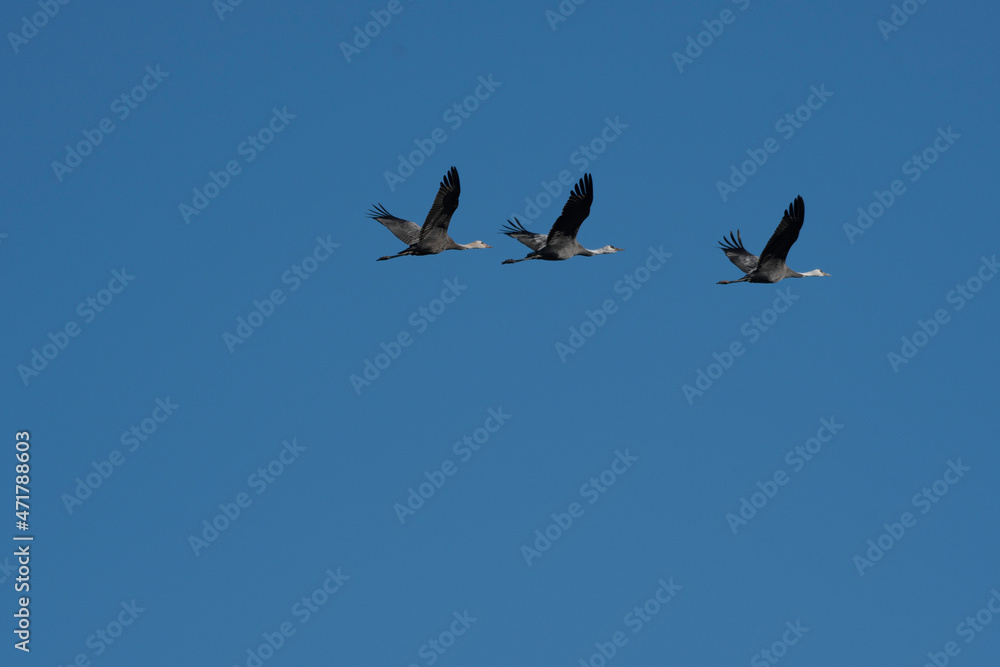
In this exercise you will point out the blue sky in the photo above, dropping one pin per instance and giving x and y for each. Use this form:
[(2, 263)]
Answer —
[(609, 460)]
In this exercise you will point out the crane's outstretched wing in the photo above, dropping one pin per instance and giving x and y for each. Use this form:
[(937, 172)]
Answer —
[(516, 230), (444, 206), (406, 231), (786, 233), (575, 211), (737, 254)]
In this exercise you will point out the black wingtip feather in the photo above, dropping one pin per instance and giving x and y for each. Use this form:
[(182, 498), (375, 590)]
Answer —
[(733, 242), (450, 179), (797, 209), (514, 228), (378, 211)]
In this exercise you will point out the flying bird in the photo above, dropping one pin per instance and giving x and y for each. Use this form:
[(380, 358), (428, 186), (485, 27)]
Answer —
[(770, 267), (433, 237), (560, 242)]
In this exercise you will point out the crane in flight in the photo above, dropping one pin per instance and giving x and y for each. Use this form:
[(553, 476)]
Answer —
[(770, 267), (560, 242), (433, 237)]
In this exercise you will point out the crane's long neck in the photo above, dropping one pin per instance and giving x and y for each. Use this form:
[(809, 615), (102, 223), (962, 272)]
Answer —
[(814, 272)]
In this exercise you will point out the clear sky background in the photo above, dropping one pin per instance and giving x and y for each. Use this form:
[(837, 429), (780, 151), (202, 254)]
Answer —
[(801, 468)]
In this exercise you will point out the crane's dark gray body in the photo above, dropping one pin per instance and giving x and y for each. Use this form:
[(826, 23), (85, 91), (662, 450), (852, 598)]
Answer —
[(770, 267), (560, 243), (433, 237)]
